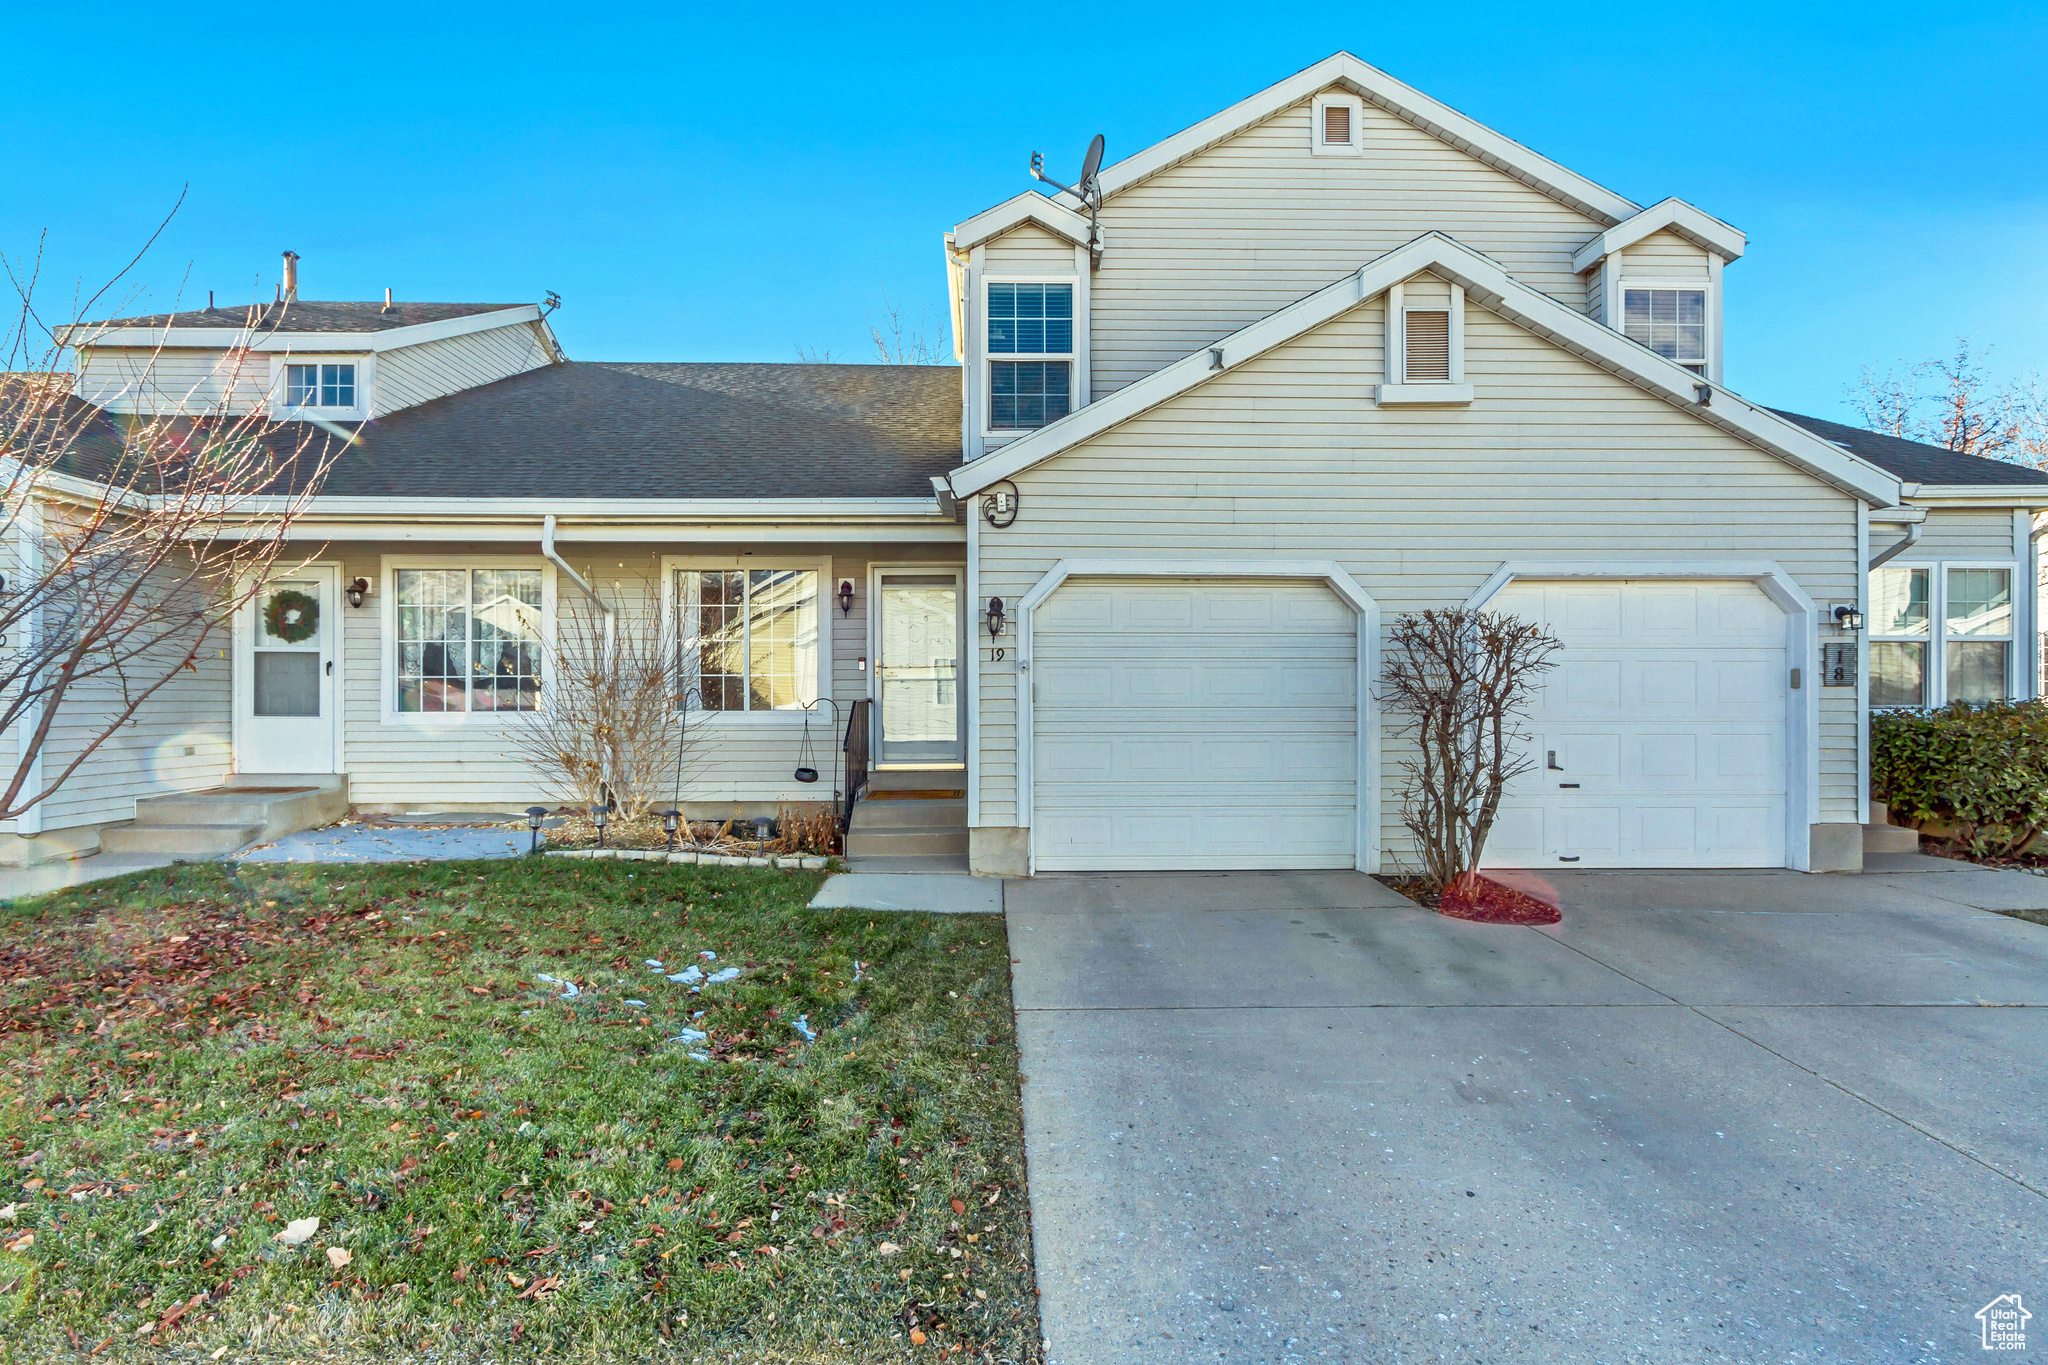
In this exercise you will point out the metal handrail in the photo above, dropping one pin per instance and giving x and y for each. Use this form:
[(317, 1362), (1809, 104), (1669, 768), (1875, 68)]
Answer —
[(855, 747)]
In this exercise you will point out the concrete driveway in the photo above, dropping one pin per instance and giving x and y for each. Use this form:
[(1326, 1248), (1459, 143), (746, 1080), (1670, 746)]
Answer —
[(1711, 1116)]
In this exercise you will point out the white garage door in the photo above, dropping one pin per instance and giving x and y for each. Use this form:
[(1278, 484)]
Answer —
[(1194, 724), (1659, 738)]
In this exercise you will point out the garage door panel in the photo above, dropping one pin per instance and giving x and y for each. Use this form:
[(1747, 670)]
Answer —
[(1670, 735), (1199, 724)]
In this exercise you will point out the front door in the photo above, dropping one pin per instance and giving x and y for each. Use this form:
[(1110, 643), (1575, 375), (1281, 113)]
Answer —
[(917, 669), (284, 674)]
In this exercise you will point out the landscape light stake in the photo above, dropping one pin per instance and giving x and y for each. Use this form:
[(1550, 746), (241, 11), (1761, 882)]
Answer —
[(598, 815), (534, 815), (670, 819)]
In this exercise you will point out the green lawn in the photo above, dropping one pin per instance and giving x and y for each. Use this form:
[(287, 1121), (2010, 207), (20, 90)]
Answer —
[(192, 1059)]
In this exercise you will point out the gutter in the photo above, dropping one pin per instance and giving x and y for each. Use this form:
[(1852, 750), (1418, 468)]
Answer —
[(1913, 529)]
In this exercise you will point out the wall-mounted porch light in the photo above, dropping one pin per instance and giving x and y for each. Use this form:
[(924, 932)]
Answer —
[(357, 591), (846, 597), (1848, 618), (994, 615)]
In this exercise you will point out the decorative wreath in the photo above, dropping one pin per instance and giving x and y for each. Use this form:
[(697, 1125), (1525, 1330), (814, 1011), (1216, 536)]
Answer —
[(291, 615)]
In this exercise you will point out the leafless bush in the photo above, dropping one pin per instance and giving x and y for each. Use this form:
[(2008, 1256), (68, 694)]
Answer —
[(608, 725), (128, 540), (1463, 681)]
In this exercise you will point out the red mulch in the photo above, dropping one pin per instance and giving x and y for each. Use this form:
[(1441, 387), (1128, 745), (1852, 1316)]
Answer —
[(1489, 902)]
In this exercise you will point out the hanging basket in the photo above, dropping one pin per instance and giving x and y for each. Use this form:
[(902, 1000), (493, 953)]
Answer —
[(291, 615), (806, 773)]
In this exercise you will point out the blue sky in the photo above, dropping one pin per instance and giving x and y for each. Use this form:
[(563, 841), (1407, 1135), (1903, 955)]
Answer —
[(732, 182)]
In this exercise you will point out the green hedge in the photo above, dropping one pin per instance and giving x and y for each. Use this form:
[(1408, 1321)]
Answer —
[(1981, 768)]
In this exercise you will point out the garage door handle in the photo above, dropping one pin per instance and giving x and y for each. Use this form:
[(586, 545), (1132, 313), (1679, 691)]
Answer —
[(1574, 858), (1568, 784)]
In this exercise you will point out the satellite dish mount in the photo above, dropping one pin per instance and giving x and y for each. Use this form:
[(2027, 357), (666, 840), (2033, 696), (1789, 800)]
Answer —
[(1088, 191)]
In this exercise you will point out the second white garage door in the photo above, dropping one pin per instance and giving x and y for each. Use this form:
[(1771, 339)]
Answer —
[(1194, 724), (1659, 738)]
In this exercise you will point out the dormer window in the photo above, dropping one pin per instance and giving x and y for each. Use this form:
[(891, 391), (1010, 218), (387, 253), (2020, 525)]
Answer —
[(1671, 322), (1034, 319), (1335, 125), (320, 386)]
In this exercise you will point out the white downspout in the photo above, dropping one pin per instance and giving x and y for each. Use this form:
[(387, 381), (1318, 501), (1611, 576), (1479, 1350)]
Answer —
[(547, 548), (1913, 529)]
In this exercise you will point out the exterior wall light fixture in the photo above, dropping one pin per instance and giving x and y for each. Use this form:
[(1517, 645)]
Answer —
[(357, 591)]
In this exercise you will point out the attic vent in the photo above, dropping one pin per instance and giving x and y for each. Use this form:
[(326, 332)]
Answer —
[(1429, 345), (1337, 123)]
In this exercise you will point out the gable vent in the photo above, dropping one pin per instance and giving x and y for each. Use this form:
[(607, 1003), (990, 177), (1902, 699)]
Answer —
[(1429, 344), (1337, 124)]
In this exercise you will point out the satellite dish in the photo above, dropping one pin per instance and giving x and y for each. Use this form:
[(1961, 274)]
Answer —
[(1090, 164)]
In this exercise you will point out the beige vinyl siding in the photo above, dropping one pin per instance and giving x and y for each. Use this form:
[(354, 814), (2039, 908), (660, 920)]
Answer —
[(140, 379), (1227, 237), (404, 763), (1664, 256), (1596, 294), (415, 374), (1286, 457), (1953, 533), (1028, 250)]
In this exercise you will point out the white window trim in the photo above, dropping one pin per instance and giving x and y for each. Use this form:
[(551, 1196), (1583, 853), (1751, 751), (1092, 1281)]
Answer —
[(1937, 637), (366, 375), (1709, 287), (1398, 391), (387, 631), (673, 564), (985, 379), (1316, 145)]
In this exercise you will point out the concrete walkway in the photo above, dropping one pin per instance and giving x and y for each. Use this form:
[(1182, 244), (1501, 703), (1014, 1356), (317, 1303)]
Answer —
[(47, 877), (938, 893), (1737, 1116)]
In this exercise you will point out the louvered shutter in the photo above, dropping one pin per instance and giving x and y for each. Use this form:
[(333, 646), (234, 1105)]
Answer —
[(1429, 345), (1337, 124)]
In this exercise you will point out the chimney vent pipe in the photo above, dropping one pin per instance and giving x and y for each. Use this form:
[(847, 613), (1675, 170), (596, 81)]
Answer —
[(290, 288)]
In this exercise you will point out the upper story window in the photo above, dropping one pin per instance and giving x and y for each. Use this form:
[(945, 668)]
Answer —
[(320, 386), (1671, 322), (1940, 633), (1035, 319)]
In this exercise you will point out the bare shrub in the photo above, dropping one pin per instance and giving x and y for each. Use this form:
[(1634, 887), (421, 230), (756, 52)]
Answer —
[(608, 726), (1463, 681)]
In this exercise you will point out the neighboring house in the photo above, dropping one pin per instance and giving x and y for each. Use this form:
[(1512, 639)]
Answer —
[(1336, 353)]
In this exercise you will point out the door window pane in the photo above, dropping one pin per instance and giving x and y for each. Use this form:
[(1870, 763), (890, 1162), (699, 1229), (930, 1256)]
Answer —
[(287, 682), (1898, 601), (1976, 670), (1979, 602), (1898, 674)]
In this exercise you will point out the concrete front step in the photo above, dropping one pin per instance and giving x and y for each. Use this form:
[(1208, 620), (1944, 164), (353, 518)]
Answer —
[(905, 843), (1890, 839), (917, 779), (193, 841), (885, 814)]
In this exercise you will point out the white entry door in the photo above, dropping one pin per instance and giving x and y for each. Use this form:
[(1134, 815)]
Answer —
[(284, 675), (1194, 723), (1659, 738), (918, 709)]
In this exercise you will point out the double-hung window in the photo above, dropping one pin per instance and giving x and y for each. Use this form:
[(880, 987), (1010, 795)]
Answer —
[(1671, 322), (320, 386), (1031, 354), (1940, 633), (468, 640), (748, 638)]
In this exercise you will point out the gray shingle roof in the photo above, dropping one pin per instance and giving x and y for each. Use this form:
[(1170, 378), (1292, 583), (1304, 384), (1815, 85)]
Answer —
[(1914, 461), (308, 315), (593, 430)]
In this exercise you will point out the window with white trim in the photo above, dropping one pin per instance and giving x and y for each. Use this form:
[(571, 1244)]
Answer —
[(1671, 322), (1940, 633), (748, 638), (1336, 125), (467, 640), (1035, 319), (323, 385)]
